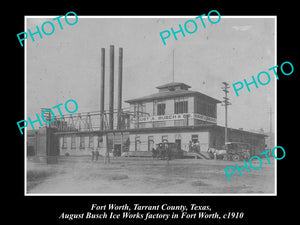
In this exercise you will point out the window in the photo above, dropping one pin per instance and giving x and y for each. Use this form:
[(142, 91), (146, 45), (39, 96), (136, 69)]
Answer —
[(205, 108), (110, 141), (161, 109), (73, 142), (82, 144), (178, 141), (150, 143), (64, 142), (199, 108), (213, 110), (194, 138), (91, 141), (177, 136), (164, 138), (100, 140), (137, 143), (180, 105)]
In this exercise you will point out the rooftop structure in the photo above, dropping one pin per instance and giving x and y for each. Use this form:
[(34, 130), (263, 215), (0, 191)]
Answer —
[(171, 90), (173, 105)]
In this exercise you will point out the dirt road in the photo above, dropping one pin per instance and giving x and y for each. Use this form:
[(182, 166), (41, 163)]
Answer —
[(78, 175)]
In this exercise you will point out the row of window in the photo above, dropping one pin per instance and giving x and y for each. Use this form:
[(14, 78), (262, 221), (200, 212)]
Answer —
[(164, 138), (159, 107), (137, 145), (180, 106), (81, 142), (205, 108)]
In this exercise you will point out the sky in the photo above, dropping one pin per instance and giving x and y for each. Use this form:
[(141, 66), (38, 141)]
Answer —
[(66, 64)]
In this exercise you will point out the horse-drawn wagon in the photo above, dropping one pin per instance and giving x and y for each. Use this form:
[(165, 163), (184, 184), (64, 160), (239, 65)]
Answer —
[(232, 151)]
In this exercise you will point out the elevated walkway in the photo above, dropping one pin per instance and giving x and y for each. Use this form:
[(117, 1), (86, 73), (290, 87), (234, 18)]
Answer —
[(201, 155), (137, 154)]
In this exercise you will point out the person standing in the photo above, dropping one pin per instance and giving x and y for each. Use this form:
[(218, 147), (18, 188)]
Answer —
[(93, 154), (197, 147), (190, 146), (96, 155)]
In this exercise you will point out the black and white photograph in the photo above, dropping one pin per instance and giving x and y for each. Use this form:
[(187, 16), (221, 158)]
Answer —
[(175, 116), (125, 111)]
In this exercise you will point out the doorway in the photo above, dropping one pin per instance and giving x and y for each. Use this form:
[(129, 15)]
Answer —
[(178, 143), (117, 150), (150, 143)]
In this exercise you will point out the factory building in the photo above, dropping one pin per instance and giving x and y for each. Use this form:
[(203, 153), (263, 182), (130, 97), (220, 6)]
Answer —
[(178, 115), (173, 114)]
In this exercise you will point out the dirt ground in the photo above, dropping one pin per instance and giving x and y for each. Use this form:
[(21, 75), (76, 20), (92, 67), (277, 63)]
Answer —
[(78, 175)]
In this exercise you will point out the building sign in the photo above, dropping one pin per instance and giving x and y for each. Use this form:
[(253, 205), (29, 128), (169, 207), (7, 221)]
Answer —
[(176, 117), (204, 118)]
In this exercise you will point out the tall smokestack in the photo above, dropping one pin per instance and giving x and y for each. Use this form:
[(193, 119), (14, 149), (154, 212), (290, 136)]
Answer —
[(111, 88), (120, 87), (102, 88)]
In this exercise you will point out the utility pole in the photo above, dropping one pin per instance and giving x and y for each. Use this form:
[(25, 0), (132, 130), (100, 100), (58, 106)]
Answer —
[(226, 103)]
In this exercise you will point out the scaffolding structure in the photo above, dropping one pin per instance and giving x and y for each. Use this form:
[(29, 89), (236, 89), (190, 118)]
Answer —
[(88, 121)]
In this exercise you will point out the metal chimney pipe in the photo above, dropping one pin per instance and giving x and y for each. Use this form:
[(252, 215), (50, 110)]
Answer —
[(120, 87), (111, 88), (102, 90)]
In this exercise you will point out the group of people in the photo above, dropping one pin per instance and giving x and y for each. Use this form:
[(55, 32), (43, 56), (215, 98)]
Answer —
[(95, 155), (194, 147), (161, 152)]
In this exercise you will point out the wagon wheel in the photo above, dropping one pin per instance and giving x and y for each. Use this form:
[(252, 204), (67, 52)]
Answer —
[(246, 156), (235, 157)]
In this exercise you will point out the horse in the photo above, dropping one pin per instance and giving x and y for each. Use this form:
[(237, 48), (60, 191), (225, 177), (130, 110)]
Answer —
[(214, 153)]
